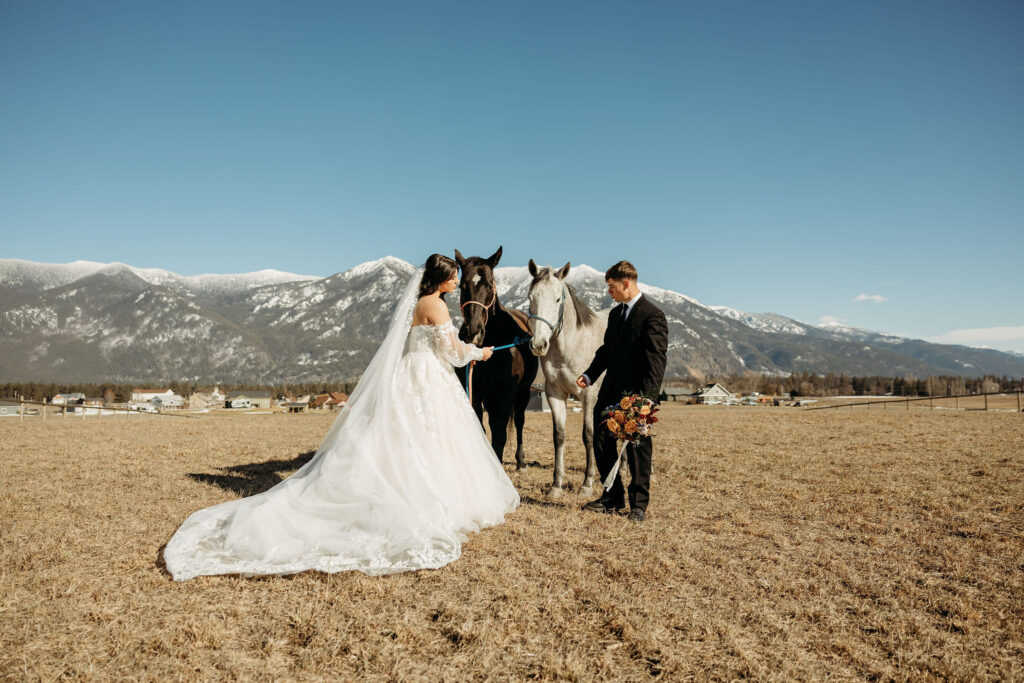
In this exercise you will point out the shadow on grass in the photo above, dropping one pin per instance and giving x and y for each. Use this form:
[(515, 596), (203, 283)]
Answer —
[(257, 477), (530, 500), (160, 564), (526, 465)]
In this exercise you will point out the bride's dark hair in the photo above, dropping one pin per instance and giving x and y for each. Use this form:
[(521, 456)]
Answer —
[(437, 270)]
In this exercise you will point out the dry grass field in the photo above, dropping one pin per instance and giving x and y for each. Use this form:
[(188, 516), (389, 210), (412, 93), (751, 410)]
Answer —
[(780, 543), (1004, 403)]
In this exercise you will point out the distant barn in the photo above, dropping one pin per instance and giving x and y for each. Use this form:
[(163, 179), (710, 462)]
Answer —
[(538, 400), (675, 394)]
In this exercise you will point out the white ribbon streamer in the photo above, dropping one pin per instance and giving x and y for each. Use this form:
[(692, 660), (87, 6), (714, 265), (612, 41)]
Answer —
[(615, 470)]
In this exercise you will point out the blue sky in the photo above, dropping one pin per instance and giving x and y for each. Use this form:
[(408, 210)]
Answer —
[(784, 156)]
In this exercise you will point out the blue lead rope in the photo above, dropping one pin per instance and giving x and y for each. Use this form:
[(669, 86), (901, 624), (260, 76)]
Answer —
[(519, 340)]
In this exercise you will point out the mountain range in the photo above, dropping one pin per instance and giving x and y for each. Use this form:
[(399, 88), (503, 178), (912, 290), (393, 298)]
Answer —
[(96, 322)]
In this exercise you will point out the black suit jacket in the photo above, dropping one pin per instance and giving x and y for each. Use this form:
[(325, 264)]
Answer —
[(633, 353)]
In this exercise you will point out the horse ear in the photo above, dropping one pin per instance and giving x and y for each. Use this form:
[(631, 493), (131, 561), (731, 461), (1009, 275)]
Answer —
[(460, 260), (533, 268), (563, 272), (495, 257)]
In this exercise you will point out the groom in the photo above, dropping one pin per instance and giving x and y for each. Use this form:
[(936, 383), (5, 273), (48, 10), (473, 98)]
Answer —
[(633, 353)]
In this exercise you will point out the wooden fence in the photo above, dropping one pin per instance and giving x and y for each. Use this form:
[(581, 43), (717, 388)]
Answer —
[(931, 401), (64, 410)]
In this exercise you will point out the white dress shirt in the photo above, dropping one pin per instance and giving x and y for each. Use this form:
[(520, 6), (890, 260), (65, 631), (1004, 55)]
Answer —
[(630, 304), (625, 314)]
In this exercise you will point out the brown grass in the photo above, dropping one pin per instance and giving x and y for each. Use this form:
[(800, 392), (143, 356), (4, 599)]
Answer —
[(1002, 403), (780, 543)]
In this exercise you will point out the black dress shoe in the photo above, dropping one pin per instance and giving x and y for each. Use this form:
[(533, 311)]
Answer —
[(603, 504), (637, 515)]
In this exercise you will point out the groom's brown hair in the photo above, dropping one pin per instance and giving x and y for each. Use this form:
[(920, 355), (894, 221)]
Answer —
[(623, 270)]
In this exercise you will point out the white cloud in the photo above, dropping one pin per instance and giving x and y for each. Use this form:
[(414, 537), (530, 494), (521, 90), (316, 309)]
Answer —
[(1003, 338), (877, 298)]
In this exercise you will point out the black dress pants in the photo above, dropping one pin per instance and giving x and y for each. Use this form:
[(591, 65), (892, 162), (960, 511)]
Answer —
[(638, 455)]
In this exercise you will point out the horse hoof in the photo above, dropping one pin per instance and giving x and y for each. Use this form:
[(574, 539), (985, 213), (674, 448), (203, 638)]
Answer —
[(520, 466), (587, 491), (555, 492)]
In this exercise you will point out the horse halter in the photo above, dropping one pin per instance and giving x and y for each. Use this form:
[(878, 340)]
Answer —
[(486, 307), (561, 311)]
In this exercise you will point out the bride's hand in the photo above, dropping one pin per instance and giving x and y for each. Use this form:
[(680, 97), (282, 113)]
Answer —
[(488, 352)]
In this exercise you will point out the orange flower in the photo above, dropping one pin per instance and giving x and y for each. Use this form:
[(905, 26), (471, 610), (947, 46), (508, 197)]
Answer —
[(625, 403), (619, 416), (630, 427), (645, 410), (613, 426)]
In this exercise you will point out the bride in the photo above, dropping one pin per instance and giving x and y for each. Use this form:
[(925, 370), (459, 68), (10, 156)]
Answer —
[(403, 475)]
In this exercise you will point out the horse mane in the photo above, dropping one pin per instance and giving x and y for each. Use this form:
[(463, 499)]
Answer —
[(584, 314), (519, 318)]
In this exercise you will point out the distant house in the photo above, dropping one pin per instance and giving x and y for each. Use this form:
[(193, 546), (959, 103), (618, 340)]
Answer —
[(330, 401), (8, 408), (67, 399), (295, 406), (147, 395), (712, 394), (95, 401), (205, 397), (256, 399)]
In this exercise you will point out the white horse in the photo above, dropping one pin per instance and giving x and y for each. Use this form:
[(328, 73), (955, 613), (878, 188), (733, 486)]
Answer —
[(565, 334)]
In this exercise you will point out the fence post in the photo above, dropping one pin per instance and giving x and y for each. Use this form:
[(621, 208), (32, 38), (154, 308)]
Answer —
[(21, 409), (1018, 402), (931, 403), (908, 404), (986, 402), (956, 402)]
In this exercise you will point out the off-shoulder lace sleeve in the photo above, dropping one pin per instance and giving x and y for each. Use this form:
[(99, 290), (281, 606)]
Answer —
[(456, 352)]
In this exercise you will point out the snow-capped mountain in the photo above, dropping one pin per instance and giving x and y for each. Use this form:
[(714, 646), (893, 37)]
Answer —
[(88, 321), (28, 275)]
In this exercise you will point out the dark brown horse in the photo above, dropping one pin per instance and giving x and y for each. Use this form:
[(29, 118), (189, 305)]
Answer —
[(501, 386)]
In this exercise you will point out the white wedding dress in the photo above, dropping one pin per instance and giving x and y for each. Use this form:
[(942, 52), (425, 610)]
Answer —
[(404, 473)]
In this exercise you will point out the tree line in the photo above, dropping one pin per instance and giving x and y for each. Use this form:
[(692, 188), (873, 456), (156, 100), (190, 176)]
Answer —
[(796, 384), (831, 384), (121, 393)]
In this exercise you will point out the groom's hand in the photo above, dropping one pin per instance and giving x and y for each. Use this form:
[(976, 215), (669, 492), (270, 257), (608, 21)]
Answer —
[(581, 381)]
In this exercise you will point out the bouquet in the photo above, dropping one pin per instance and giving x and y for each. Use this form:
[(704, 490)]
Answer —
[(631, 418), (628, 420)]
